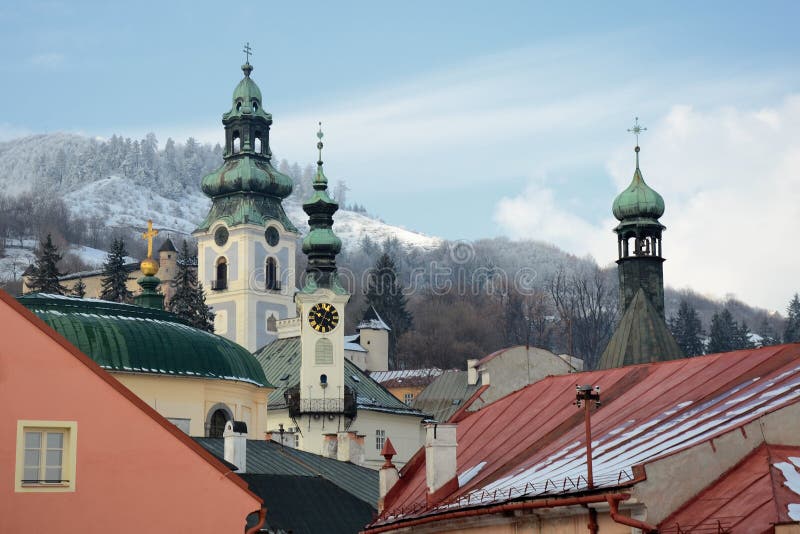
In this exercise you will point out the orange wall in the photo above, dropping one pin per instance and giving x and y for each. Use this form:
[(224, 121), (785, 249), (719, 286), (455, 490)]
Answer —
[(133, 474)]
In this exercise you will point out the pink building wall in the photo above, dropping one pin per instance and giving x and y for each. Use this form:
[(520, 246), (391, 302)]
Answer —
[(135, 472)]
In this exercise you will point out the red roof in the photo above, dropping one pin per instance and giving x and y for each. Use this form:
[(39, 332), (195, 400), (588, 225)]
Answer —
[(531, 442), (752, 497)]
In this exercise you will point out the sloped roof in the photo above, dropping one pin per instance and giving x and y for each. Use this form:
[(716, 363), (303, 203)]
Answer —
[(128, 338), (445, 396), (405, 377), (280, 361), (269, 458), (642, 336), (167, 246), (530, 443), (372, 321), (754, 495)]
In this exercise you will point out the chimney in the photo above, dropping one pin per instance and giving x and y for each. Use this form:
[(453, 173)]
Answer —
[(440, 458), (330, 446), (350, 448), (235, 436), (472, 372), (388, 475)]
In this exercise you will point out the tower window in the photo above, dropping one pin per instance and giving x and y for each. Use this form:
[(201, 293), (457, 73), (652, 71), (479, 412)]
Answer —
[(257, 145), (255, 105), (222, 275), (238, 106), (323, 355), (272, 324), (237, 142), (271, 274), (217, 424)]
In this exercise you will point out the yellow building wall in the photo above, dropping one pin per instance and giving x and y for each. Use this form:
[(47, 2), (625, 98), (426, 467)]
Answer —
[(193, 398), (401, 391)]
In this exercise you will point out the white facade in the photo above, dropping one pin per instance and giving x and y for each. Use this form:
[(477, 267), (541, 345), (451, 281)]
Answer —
[(248, 282)]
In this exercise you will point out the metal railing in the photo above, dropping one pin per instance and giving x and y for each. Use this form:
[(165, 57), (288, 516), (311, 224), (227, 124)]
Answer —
[(218, 285), (345, 405)]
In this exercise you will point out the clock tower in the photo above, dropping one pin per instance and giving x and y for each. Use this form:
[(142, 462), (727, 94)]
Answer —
[(246, 244), (320, 304)]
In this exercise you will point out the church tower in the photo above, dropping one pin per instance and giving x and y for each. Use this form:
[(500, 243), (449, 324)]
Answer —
[(322, 392), (246, 244), (642, 335)]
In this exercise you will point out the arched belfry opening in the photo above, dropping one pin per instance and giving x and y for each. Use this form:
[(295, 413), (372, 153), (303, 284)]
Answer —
[(218, 415), (271, 281), (221, 281)]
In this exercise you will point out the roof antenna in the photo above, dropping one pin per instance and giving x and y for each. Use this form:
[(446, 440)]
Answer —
[(280, 430)]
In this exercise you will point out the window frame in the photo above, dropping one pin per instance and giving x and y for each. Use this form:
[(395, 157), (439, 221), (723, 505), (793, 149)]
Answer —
[(380, 438), (408, 398), (69, 429)]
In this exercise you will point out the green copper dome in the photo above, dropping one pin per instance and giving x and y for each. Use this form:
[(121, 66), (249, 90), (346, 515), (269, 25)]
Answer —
[(639, 200), (126, 338), (247, 174), (247, 98)]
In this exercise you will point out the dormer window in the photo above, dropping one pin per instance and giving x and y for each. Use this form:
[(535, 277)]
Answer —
[(238, 106), (255, 105)]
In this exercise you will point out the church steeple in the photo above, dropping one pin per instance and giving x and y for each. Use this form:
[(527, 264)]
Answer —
[(321, 245)]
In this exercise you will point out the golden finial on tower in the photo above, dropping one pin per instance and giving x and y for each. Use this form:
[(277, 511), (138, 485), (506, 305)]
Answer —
[(149, 266)]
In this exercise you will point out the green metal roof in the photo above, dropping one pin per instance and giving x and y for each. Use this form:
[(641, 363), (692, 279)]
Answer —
[(269, 458), (245, 174), (446, 395), (242, 208), (280, 361), (642, 336), (246, 98), (127, 338), (639, 200)]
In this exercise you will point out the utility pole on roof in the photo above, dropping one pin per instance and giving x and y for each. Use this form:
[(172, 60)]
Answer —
[(585, 395)]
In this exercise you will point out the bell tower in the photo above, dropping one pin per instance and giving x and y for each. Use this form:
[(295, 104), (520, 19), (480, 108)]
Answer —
[(246, 244), (640, 263)]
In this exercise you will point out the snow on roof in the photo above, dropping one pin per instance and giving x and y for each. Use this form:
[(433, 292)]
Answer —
[(372, 321), (648, 411), (351, 343), (407, 376)]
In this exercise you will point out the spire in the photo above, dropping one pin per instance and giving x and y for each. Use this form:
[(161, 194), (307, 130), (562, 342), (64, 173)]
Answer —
[(321, 245), (639, 201)]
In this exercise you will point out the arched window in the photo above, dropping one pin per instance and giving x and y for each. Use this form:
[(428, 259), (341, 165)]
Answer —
[(216, 425), (222, 274), (323, 354), (272, 324), (237, 142), (257, 142), (255, 105), (271, 274)]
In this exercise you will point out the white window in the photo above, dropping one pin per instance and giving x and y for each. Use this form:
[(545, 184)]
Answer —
[(408, 398), (46, 452), (380, 439)]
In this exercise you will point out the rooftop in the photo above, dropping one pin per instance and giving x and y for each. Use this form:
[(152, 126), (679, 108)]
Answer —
[(405, 377), (445, 395), (128, 338)]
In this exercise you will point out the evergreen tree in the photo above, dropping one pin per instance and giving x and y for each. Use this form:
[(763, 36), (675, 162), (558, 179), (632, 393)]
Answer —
[(79, 289), (687, 330), (384, 293), (726, 334), (189, 300), (792, 332), (767, 333), (115, 277), (44, 277)]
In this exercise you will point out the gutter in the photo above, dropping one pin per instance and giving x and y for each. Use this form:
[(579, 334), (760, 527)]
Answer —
[(614, 498), (262, 517)]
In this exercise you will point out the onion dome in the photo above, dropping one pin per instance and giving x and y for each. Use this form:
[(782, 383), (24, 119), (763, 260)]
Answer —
[(247, 174), (247, 98), (321, 245), (638, 200)]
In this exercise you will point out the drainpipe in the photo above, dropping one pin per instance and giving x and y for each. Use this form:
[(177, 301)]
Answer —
[(510, 507), (592, 524), (613, 503), (262, 517)]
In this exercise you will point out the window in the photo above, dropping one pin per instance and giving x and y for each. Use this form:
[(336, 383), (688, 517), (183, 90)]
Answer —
[(222, 275), (408, 398), (271, 274), (46, 456), (237, 142), (217, 423), (380, 439), (324, 352), (272, 324), (296, 440)]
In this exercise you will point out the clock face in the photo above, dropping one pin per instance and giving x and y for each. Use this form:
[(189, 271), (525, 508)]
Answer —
[(221, 236), (272, 236), (323, 317)]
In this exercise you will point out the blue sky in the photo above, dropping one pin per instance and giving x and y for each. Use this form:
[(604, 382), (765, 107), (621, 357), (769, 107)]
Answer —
[(461, 119)]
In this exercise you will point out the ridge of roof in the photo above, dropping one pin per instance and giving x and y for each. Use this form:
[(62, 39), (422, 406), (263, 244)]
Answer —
[(125, 392), (372, 321)]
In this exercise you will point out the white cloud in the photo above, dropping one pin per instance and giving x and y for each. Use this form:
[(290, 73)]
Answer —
[(731, 182), (49, 60)]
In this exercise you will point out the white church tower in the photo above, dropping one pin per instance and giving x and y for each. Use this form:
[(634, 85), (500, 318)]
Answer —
[(246, 245)]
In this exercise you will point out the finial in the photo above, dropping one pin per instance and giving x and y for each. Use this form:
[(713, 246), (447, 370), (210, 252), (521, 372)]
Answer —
[(247, 68), (149, 266), (320, 135), (636, 130)]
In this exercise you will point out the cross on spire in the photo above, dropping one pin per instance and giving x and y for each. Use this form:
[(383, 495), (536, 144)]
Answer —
[(149, 235), (636, 130), (247, 51)]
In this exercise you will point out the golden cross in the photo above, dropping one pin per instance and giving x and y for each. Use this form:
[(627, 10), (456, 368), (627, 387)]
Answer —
[(149, 235)]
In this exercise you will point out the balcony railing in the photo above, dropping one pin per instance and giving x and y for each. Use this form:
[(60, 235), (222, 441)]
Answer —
[(219, 285), (334, 405)]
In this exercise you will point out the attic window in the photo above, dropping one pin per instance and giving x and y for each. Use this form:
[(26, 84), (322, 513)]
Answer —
[(456, 402), (355, 378), (255, 105)]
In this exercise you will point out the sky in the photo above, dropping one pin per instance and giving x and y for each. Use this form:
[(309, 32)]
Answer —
[(466, 119)]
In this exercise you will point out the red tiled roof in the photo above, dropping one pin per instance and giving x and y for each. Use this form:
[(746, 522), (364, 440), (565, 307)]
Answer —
[(751, 497), (531, 442)]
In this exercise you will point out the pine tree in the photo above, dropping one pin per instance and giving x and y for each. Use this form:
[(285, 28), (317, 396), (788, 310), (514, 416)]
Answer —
[(726, 334), (45, 274), (687, 330), (79, 289), (114, 284), (792, 332), (767, 332), (383, 292), (189, 300)]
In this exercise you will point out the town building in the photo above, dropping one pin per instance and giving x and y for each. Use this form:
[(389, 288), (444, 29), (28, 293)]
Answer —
[(701, 444), (406, 384), (81, 453)]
